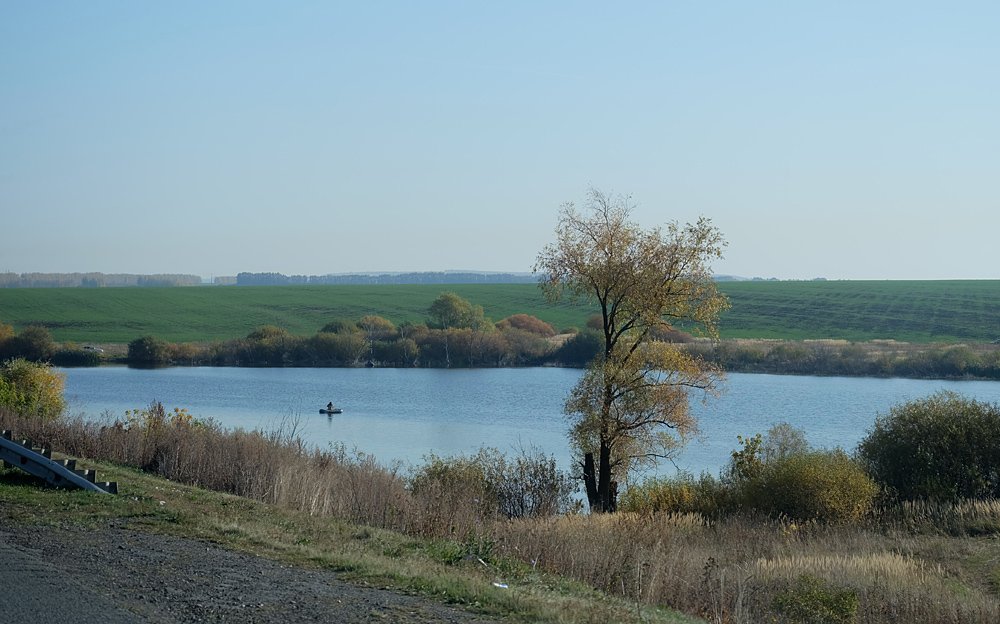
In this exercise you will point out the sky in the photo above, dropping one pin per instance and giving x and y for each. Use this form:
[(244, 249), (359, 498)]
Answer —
[(846, 140)]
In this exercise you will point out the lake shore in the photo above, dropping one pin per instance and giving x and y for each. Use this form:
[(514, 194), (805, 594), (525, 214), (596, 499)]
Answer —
[(840, 358)]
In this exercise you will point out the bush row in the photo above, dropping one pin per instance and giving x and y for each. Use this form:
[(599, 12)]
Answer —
[(797, 482), (409, 346), (876, 359), (35, 344), (941, 449), (519, 340)]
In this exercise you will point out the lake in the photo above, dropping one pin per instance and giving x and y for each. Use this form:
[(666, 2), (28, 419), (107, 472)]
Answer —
[(402, 415)]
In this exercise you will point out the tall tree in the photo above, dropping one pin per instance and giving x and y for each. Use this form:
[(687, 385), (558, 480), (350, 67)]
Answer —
[(631, 405), (450, 310)]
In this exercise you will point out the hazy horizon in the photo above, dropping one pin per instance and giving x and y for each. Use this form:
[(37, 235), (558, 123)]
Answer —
[(847, 141)]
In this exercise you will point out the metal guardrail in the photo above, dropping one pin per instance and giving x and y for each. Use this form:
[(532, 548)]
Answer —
[(39, 462)]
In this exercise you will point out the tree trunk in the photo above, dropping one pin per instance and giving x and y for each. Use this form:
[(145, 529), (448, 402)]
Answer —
[(590, 480), (604, 492)]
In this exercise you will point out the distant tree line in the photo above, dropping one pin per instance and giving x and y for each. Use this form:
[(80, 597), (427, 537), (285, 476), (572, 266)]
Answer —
[(94, 280), (441, 277)]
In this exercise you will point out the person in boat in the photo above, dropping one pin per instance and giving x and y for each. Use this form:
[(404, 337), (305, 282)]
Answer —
[(329, 406)]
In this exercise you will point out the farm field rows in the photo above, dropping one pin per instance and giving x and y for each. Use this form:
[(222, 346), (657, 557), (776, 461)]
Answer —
[(912, 311)]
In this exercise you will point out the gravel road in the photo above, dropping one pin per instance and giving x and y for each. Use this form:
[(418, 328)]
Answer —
[(119, 575)]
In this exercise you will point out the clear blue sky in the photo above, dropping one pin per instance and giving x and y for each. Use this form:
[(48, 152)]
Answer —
[(848, 140)]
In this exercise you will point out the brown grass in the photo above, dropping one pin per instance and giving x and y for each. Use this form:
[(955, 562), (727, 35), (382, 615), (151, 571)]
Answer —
[(914, 563)]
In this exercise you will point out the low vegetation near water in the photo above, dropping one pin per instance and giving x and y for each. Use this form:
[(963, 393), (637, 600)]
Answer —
[(786, 533), (518, 340)]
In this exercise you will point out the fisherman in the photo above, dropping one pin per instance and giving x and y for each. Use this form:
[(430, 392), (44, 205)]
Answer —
[(329, 406)]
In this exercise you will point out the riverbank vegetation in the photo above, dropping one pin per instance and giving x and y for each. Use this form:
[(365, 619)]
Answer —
[(880, 358), (519, 340), (784, 533)]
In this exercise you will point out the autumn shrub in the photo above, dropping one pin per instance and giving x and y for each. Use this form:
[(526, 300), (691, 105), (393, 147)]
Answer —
[(462, 493), (32, 389), (269, 346), (819, 484), (776, 474), (402, 352), (527, 323), (523, 348), (814, 485), (683, 493), (944, 447), (781, 475)]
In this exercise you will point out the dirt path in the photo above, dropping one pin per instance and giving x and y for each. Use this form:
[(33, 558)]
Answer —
[(119, 575)]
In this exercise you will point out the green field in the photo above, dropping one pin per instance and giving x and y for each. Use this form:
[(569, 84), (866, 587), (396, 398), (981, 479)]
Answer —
[(223, 312), (912, 311)]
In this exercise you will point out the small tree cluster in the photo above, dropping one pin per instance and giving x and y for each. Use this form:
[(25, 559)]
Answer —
[(942, 447)]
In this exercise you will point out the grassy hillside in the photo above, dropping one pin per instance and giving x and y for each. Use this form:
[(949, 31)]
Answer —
[(914, 311)]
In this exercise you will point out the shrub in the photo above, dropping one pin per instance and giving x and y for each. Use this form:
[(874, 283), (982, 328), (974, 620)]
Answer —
[(683, 493), (402, 352), (33, 343), (821, 485), (527, 323), (269, 346), (580, 349), (149, 351), (336, 348), (376, 327), (6, 335), (943, 447), (75, 357), (340, 326), (522, 347), (783, 440), (460, 493), (814, 601), (31, 389), (780, 475)]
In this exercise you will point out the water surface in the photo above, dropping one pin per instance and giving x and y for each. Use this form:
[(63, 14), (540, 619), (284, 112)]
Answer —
[(405, 414)]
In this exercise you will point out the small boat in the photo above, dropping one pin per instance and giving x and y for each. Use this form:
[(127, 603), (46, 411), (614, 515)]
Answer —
[(332, 410)]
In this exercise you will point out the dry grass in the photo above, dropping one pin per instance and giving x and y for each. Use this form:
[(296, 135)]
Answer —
[(916, 562), (732, 570)]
